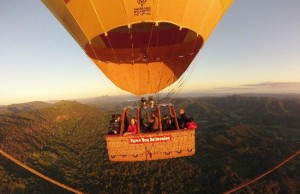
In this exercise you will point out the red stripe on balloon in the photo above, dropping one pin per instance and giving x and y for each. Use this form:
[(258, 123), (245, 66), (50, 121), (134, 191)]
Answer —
[(142, 39)]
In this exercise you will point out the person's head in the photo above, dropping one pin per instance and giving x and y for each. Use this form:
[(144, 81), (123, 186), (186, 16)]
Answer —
[(191, 119), (181, 111), (118, 117), (132, 121), (165, 117), (113, 116)]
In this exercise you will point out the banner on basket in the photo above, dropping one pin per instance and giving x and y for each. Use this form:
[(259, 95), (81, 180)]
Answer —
[(150, 139)]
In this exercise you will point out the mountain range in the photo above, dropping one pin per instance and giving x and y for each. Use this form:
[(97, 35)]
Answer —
[(238, 138)]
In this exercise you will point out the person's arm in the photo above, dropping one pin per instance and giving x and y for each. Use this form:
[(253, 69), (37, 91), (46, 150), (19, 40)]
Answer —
[(150, 120)]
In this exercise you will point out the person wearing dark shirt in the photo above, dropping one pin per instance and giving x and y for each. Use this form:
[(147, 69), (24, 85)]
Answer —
[(153, 121), (182, 119), (167, 123), (114, 125)]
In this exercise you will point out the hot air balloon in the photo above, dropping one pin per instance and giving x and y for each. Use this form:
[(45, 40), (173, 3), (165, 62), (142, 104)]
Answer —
[(142, 46)]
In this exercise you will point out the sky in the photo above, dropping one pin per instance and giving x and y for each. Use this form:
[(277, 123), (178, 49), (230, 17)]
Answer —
[(254, 49)]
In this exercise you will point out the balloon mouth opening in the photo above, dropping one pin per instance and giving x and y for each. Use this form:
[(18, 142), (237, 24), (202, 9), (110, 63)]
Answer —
[(143, 43)]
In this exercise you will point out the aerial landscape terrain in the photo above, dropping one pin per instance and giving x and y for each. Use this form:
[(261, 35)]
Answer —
[(238, 138), (72, 69)]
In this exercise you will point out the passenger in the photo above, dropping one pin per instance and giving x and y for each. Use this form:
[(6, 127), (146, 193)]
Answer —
[(114, 124), (132, 128), (118, 118), (173, 122), (144, 124), (182, 119), (126, 120), (167, 123), (153, 121), (191, 124)]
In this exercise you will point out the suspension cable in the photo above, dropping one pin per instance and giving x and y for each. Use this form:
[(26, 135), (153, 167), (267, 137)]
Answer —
[(263, 174), (22, 165), (181, 85), (172, 53), (193, 65), (187, 75)]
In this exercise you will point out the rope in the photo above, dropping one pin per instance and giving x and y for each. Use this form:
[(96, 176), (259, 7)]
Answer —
[(186, 79), (172, 90), (177, 87), (6, 155), (186, 76), (188, 72), (262, 175), (172, 76)]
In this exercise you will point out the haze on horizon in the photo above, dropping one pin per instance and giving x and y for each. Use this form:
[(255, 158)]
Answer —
[(254, 49)]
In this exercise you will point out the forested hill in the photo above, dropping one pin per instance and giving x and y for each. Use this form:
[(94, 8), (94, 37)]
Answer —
[(236, 109), (239, 137), (15, 108), (53, 140)]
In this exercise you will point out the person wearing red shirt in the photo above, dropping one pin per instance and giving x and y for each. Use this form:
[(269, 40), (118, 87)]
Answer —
[(191, 124), (132, 128)]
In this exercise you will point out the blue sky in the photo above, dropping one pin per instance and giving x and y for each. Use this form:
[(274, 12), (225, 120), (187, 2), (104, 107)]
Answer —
[(255, 48)]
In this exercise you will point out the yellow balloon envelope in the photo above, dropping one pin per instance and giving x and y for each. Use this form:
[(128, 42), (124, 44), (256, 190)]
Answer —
[(142, 46)]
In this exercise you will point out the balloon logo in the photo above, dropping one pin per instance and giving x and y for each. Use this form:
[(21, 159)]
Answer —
[(141, 2)]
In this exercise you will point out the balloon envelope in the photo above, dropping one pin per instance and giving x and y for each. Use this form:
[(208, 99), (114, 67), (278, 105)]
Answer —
[(142, 46)]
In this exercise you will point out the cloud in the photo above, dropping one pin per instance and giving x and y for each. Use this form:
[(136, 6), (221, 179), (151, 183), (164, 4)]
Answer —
[(231, 88), (266, 86), (274, 84)]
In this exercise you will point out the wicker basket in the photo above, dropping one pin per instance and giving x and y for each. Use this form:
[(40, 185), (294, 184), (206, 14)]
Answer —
[(151, 146)]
